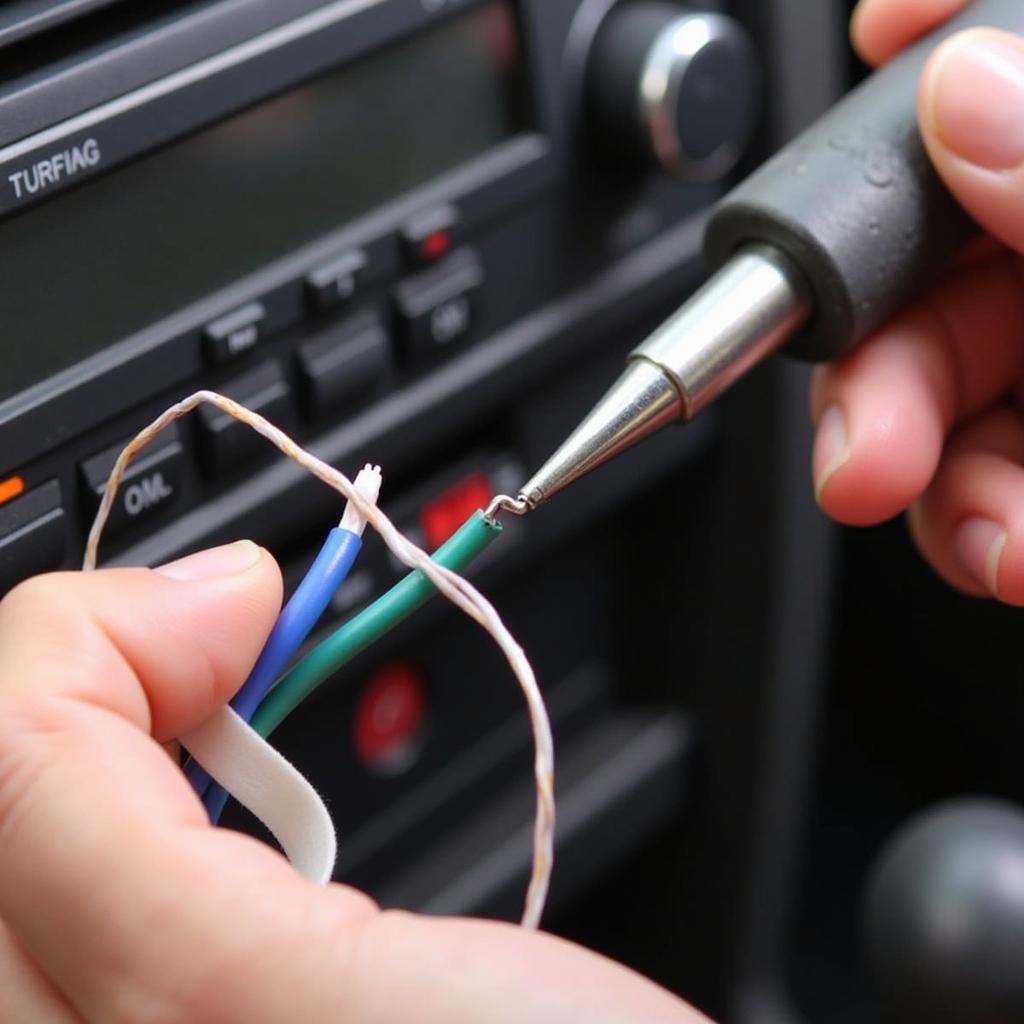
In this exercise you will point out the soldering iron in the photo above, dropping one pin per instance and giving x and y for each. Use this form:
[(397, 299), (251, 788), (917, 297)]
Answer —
[(813, 252)]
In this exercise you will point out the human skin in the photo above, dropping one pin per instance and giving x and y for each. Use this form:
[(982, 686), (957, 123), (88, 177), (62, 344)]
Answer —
[(925, 416), (121, 903)]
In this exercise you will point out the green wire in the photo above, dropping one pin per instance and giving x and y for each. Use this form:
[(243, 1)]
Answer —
[(370, 625)]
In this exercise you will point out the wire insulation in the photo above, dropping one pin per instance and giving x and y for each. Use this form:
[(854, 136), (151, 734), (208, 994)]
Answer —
[(370, 625), (360, 632), (458, 590), (327, 573), (297, 618)]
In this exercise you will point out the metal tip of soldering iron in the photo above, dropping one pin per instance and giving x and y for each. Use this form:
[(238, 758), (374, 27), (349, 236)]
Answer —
[(642, 401)]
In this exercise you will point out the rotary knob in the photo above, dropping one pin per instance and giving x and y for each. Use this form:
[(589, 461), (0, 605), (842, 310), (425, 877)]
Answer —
[(945, 916), (674, 87)]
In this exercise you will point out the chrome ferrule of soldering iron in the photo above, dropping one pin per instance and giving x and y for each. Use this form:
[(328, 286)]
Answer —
[(746, 311), (848, 222)]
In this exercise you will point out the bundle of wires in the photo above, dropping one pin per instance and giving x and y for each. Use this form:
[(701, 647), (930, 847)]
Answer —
[(265, 705), (378, 619), (311, 598), (440, 572)]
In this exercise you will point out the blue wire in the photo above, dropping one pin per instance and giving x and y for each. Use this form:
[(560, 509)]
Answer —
[(293, 625)]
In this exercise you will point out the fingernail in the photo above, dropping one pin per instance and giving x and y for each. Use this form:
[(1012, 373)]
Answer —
[(831, 447), (228, 560), (979, 545), (977, 102)]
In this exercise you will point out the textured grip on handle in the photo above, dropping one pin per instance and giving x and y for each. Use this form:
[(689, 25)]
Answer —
[(854, 201)]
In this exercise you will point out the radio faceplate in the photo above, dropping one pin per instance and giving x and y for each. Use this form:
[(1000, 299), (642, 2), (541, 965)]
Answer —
[(223, 207), (402, 183)]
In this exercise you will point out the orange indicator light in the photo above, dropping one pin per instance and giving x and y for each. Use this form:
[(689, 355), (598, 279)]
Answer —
[(11, 488)]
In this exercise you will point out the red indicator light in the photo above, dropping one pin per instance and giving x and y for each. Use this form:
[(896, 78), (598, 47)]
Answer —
[(11, 488), (436, 244), (389, 717), (440, 518)]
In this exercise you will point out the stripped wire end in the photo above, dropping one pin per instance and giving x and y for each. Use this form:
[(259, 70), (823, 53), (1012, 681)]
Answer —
[(504, 503), (368, 484)]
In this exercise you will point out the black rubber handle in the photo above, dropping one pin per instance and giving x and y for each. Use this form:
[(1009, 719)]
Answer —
[(854, 201)]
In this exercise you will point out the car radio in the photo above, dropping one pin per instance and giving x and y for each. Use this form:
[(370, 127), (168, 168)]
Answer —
[(418, 232), (309, 219)]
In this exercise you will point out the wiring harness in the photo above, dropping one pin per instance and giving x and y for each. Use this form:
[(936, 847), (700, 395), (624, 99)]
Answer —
[(267, 704)]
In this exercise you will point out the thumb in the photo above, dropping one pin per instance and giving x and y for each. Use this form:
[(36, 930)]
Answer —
[(971, 107), (161, 648), (98, 827)]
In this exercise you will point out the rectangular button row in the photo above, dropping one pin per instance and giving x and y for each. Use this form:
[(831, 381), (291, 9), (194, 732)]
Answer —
[(435, 309), (425, 241), (337, 366)]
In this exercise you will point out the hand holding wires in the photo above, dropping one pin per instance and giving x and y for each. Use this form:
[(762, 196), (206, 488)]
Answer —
[(454, 587)]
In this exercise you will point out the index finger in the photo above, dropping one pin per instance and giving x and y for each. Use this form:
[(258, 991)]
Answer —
[(881, 28), (885, 409)]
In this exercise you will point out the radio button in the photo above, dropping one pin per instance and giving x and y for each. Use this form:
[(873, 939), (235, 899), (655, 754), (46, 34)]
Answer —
[(437, 306), (335, 283), (431, 236), (234, 333), (343, 363), (33, 535), (151, 483), (225, 443), (390, 714)]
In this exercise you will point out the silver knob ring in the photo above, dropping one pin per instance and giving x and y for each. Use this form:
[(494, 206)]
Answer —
[(660, 91)]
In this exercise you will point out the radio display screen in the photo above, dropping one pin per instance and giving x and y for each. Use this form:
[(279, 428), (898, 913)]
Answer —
[(96, 264)]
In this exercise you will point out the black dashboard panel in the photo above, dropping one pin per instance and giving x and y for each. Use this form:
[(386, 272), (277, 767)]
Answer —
[(387, 225)]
